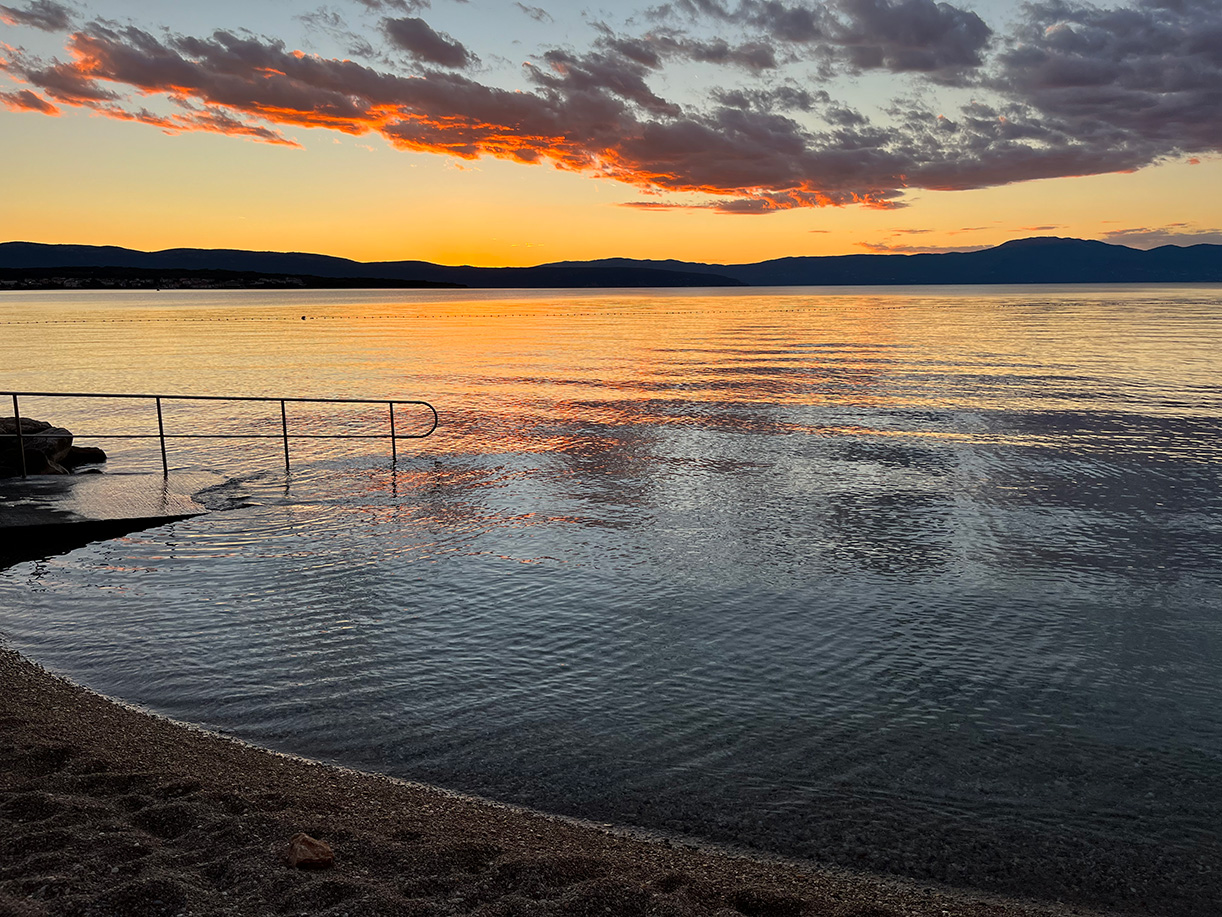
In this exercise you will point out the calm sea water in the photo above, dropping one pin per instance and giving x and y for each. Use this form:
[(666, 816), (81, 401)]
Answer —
[(920, 580)]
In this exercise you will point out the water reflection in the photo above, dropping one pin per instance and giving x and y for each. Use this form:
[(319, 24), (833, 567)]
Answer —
[(924, 581)]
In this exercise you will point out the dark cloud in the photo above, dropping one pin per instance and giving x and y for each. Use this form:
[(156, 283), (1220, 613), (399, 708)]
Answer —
[(24, 100), (896, 35), (801, 23), (417, 38), (789, 23), (643, 51), (592, 113), (596, 72), (403, 6), (1081, 90), (1147, 79), (912, 35), (750, 55), (779, 98), (66, 83), (653, 49), (41, 14), (845, 117), (1078, 90), (537, 13)]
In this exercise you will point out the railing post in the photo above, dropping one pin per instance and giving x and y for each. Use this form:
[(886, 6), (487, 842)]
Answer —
[(20, 435), (165, 465), (284, 428), (394, 447)]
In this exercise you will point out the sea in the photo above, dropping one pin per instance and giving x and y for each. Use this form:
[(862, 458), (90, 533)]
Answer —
[(922, 581)]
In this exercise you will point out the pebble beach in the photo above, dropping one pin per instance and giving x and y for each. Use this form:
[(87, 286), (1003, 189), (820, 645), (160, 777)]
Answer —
[(107, 810)]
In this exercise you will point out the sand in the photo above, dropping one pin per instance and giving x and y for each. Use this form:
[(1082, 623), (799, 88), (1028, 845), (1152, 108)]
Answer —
[(106, 810)]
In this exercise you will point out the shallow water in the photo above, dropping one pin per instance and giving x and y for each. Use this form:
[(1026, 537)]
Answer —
[(926, 580)]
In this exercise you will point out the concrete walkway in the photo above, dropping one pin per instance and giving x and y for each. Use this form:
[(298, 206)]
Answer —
[(58, 513)]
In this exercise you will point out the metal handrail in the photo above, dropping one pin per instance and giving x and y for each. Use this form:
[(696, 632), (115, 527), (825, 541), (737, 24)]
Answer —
[(161, 434)]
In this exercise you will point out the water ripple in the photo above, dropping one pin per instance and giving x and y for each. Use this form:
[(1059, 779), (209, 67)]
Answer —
[(924, 582)]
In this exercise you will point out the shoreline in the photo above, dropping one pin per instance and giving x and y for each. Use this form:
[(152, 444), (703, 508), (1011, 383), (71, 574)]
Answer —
[(107, 809)]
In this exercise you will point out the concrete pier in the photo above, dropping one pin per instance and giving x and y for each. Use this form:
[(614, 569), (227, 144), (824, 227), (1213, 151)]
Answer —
[(59, 513)]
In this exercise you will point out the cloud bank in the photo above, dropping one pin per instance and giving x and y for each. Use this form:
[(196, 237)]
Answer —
[(41, 14), (1074, 90)]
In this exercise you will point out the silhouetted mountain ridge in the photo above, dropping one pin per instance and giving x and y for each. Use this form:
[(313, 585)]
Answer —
[(1041, 259), (32, 255)]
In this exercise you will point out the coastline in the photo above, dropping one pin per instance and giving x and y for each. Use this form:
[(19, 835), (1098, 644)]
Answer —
[(106, 809)]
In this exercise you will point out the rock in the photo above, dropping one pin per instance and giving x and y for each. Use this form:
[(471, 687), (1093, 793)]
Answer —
[(305, 852), (48, 449), (83, 455)]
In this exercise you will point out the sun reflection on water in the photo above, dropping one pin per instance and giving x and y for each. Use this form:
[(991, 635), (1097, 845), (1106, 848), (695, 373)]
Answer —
[(853, 575)]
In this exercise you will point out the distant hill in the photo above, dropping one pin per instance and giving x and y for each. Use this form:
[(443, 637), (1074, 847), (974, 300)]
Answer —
[(1035, 260), (31, 256), (1043, 259), (135, 278)]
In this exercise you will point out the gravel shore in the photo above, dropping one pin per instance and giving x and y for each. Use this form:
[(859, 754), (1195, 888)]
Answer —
[(105, 810)]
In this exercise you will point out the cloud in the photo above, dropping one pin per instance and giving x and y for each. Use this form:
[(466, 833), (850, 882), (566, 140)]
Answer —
[(41, 14), (1147, 79), (1076, 90), (591, 114), (537, 13), (911, 35), (404, 6), (210, 120), (751, 55), (74, 84), (596, 73), (779, 98), (654, 205), (897, 35), (1173, 234), (652, 49), (417, 38), (892, 248), (333, 24), (66, 83), (24, 100)]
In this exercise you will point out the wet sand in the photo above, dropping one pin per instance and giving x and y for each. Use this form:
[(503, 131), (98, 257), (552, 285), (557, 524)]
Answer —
[(105, 810)]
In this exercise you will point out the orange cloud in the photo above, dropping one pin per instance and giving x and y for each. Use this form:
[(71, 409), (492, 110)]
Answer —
[(889, 248), (25, 100), (592, 113), (242, 86)]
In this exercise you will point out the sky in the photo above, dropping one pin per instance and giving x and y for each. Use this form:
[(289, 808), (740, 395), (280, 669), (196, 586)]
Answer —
[(507, 133)]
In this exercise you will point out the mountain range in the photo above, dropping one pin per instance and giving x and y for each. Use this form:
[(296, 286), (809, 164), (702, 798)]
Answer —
[(1041, 259)]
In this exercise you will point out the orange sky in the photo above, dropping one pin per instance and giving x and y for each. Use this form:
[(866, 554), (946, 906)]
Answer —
[(116, 136)]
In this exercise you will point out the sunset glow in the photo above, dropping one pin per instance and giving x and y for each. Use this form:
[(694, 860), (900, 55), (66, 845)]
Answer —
[(841, 127)]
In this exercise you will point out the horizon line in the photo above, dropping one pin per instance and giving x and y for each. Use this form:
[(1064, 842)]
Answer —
[(968, 249)]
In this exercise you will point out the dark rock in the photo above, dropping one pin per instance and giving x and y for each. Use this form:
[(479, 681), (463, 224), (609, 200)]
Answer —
[(83, 455), (48, 449)]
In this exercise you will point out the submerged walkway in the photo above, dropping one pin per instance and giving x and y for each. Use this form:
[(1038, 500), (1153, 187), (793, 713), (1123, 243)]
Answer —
[(58, 513)]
